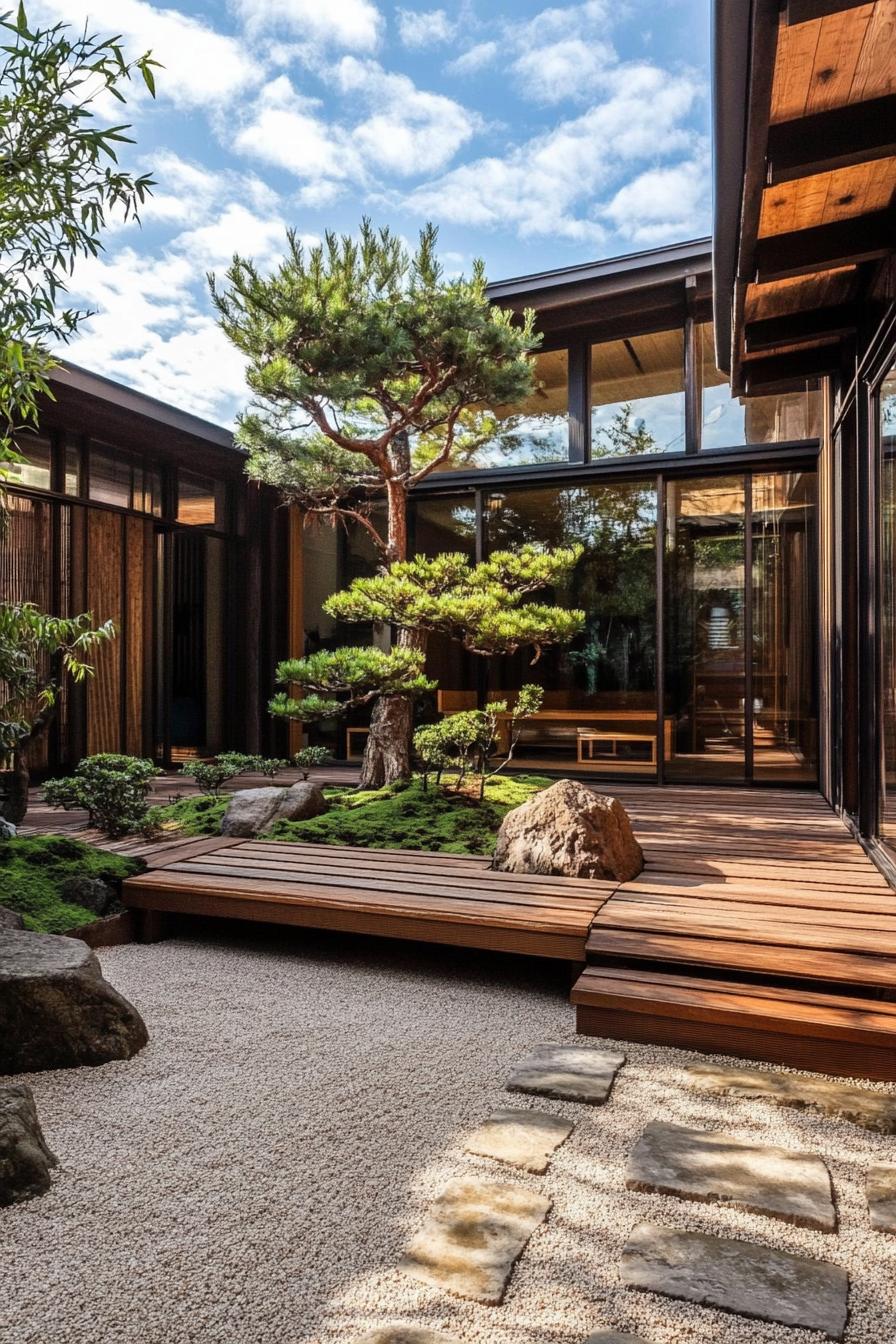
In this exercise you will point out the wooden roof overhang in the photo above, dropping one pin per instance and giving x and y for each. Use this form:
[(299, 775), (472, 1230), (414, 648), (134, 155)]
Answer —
[(805, 177)]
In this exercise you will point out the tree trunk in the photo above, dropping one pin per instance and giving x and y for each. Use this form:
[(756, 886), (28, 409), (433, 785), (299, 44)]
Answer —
[(387, 755)]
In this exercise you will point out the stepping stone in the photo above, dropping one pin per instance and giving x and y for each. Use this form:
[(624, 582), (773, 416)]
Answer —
[(614, 1337), (872, 1110), (526, 1139), (880, 1189), (719, 1169), (473, 1236), (406, 1334), (567, 1073), (737, 1276)]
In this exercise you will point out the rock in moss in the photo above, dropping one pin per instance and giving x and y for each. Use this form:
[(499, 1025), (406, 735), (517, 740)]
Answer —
[(571, 831)]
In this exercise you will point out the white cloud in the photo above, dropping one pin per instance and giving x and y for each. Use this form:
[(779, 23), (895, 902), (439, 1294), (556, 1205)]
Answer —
[(553, 184), (475, 59), (424, 28), (664, 204), (284, 129), (569, 68), (409, 130), (352, 24), (201, 66), (235, 230)]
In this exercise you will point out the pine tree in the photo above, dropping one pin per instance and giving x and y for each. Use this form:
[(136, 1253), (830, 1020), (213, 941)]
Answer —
[(369, 370)]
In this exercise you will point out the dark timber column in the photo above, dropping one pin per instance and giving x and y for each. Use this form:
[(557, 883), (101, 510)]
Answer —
[(255, 523)]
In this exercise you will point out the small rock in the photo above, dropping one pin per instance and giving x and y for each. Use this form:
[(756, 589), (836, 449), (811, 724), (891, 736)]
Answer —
[(572, 831), (526, 1139), (567, 1073), (251, 811), (406, 1334), (473, 1236), (737, 1276), (25, 1159), (843, 1101), (718, 1169), (880, 1191), (56, 1010), (614, 1337), (91, 892), (8, 829), (10, 919)]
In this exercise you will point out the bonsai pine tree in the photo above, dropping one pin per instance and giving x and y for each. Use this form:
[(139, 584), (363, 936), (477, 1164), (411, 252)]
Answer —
[(482, 606), (369, 370)]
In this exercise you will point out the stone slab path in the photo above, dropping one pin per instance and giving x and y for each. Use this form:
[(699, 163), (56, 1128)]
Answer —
[(718, 1169), (737, 1276), (614, 1337), (880, 1189), (567, 1073), (526, 1139), (406, 1334), (842, 1101), (472, 1237)]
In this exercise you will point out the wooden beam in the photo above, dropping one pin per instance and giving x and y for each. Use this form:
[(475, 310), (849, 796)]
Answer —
[(796, 328), (860, 133), (803, 11), (779, 372), (805, 251)]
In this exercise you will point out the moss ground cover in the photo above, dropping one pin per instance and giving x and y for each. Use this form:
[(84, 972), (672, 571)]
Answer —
[(33, 869), (398, 817)]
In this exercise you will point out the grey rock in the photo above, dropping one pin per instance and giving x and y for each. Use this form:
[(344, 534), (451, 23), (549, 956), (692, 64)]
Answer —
[(843, 1101), (56, 1010), (880, 1190), (526, 1139), (251, 811), (572, 831), (25, 1159), (473, 1236), (737, 1276), (568, 1073), (718, 1169), (91, 892), (406, 1334), (8, 829), (10, 919), (614, 1337)]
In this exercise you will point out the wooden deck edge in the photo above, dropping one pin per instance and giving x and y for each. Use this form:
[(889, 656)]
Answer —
[(843, 1059)]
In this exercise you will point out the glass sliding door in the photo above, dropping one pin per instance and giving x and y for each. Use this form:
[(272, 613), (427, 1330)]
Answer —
[(887, 431), (600, 706), (705, 635), (785, 722)]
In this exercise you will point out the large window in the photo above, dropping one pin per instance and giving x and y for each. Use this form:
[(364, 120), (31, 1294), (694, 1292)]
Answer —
[(887, 431), (732, 422), (530, 431), (637, 395), (35, 470)]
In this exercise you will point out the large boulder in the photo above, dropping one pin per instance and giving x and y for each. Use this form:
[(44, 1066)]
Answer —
[(572, 831), (56, 1010), (251, 811), (90, 892), (25, 1159)]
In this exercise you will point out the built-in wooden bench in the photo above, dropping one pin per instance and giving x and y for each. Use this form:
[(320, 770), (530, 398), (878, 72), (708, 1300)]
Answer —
[(832, 1033)]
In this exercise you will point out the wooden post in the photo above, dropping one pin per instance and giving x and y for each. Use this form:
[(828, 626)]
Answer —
[(296, 618)]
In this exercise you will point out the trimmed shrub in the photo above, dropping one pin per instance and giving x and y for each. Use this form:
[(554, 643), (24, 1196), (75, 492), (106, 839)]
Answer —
[(112, 789)]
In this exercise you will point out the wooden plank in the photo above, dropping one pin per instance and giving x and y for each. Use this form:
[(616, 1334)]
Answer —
[(778, 994), (104, 542), (776, 923)]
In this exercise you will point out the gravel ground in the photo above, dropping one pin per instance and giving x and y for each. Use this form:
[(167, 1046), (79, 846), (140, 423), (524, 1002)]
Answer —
[(253, 1175)]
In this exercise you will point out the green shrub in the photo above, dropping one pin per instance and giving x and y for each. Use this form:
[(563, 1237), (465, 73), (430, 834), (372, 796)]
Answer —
[(34, 868), (311, 758), (113, 790), (270, 765)]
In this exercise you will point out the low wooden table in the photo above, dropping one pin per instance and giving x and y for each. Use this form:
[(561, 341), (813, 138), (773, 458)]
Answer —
[(587, 737), (586, 719)]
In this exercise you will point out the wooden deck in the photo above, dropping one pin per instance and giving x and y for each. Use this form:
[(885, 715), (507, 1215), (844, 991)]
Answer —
[(758, 927)]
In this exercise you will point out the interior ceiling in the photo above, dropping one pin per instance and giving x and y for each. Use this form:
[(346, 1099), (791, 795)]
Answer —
[(814, 175)]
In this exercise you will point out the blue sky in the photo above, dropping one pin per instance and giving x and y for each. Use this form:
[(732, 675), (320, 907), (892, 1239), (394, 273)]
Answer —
[(535, 136)]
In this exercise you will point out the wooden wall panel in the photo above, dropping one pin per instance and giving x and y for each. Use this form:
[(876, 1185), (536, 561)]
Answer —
[(134, 634), (104, 600)]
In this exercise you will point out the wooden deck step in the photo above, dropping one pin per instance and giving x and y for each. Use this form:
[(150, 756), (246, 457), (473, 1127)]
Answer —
[(828, 1032)]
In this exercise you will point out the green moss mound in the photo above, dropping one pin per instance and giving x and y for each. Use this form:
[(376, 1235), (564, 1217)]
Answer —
[(200, 814), (407, 818), (33, 869)]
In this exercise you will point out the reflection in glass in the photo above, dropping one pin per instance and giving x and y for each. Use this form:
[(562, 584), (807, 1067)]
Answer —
[(600, 708), (704, 628), (785, 734), (731, 422), (200, 500), (887, 428), (527, 432), (443, 526), (35, 472), (637, 395), (110, 478)]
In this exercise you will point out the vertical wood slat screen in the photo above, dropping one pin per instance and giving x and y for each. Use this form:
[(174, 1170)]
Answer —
[(26, 558), (133, 633), (104, 601)]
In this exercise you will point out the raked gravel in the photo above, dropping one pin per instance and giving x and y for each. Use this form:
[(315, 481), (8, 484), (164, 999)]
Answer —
[(253, 1176)]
